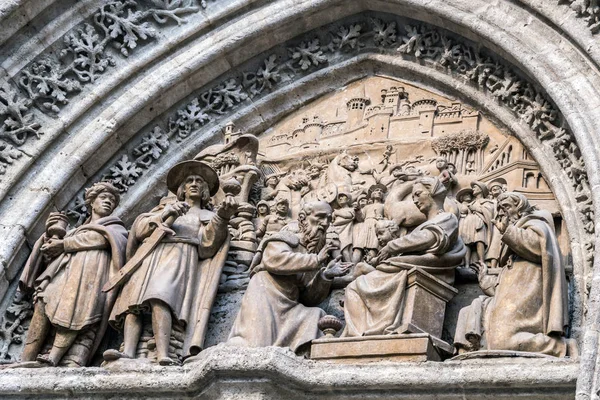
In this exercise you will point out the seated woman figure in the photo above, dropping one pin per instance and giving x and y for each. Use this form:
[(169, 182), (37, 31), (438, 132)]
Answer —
[(373, 302)]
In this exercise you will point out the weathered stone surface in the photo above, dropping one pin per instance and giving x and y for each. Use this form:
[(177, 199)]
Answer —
[(115, 122), (268, 373)]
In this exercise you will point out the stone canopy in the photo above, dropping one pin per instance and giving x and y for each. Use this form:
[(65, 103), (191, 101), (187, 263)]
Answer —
[(124, 90)]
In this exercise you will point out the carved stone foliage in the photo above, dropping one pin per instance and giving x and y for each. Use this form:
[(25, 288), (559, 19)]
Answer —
[(13, 328), (586, 9), (421, 42), (50, 81), (17, 124), (87, 51)]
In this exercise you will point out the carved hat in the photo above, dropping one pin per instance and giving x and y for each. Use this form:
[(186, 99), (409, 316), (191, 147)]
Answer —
[(497, 182), (361, 195), (377, 186), (462, 192), (343, 190), (281, 200), (263, 203), (484, 189), (180, 171)]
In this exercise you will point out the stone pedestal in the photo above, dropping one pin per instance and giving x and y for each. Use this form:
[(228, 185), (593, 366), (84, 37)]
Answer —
[(425, 303), (367, 349), (417, 338)]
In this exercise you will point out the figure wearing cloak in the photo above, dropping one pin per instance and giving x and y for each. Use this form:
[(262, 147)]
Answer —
[(528, 310), (373, 302), (476, 227), (179, 278), (68, 293), (279, 306), (492, 253)]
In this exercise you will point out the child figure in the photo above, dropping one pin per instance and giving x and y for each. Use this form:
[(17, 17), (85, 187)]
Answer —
[(387, 230), (343, 221), (365, 239)]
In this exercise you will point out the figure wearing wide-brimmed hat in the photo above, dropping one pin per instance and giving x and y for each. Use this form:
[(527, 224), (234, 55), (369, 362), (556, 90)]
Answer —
[(476, 225), (270, 191), (176, 281), (366, 238)]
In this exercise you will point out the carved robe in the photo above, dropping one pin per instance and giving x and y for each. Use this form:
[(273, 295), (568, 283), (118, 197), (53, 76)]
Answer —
[(528, 311), (343, 219), (278, 308), (476, 224), (73, 296), (495, 245), (373, 302), (366, 236), (182, 271)]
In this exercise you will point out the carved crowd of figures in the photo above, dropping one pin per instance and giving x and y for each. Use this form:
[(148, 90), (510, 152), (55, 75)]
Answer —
[(367, 230)]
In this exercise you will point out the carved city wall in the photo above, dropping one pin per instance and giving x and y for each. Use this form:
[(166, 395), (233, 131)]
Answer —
[(93, 104)]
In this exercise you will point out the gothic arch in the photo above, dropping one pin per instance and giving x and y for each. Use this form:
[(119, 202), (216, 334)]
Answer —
[(99, 125)]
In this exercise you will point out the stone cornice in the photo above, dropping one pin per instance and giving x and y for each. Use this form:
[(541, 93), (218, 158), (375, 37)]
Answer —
[(275, 371)]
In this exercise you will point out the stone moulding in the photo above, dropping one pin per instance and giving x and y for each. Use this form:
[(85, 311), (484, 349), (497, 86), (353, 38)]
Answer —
[(582, 132), (50, 81), (236, 373)]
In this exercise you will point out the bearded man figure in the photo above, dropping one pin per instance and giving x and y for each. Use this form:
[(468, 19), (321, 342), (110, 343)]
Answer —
[(526, 307), (290, 276)]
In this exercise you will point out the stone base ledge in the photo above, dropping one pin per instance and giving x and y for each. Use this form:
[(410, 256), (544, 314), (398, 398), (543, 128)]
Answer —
[(275, 373)]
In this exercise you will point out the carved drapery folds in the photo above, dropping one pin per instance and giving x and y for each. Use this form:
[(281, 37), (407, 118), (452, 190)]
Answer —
[(396, 224), (305, 56), (375, 196)]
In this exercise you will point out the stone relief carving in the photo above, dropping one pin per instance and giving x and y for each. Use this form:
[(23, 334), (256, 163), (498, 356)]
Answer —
[(180, 250), (586, 9), (422, 42), (18, 124), (389, 199), (50, 81), (65, 273), (292, 273), (374, 301), (533, 272), (86, 53)]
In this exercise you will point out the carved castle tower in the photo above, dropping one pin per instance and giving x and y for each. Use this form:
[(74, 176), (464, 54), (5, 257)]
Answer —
[(356, 108)]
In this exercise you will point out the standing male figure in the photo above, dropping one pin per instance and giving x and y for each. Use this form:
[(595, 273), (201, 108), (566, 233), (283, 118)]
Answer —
[(293, 276), (177, 279), (68, 293)]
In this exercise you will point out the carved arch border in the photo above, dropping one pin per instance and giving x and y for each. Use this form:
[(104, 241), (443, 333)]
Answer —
[(583, 128)]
